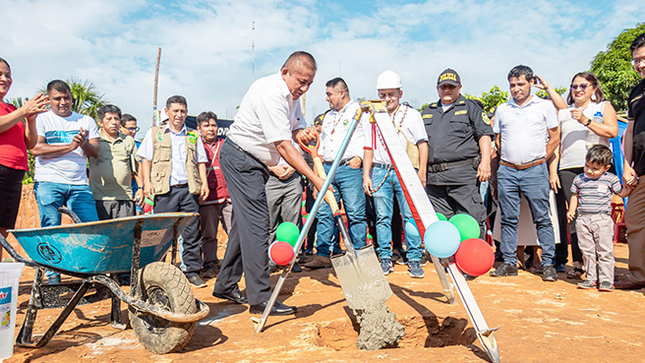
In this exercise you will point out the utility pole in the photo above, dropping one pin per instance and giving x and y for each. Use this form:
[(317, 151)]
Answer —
[(253, 50), (155, 114)]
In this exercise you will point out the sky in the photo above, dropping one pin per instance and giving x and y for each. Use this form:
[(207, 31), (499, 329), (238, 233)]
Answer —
[(207, 45)]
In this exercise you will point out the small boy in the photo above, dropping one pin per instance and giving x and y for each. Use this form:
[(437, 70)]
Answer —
[(592, 193), (111, 173)]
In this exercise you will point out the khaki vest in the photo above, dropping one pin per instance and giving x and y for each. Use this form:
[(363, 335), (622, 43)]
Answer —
[(162, 165)]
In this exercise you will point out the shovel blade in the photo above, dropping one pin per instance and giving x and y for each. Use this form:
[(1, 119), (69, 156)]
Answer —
[(361, 278)]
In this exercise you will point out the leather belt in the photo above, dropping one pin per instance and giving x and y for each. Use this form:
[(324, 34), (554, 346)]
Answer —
[(184, 185), (343, 162), (381, 166), (435, 168), (530, 164)]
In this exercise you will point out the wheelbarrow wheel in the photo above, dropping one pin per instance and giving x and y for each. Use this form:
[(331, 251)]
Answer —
[(166, 287)]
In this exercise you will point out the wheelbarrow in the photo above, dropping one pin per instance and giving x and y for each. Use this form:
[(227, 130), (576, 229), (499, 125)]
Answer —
[(162, 308)]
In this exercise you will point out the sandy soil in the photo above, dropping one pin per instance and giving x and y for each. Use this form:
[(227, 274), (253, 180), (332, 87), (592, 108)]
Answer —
[(539, 322)]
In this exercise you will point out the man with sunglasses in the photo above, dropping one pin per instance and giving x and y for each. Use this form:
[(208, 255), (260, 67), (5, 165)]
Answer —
[(522, 127), (634, 169), (459, 140)]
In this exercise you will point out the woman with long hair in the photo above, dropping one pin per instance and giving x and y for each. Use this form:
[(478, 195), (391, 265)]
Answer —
[(589, 120), (17, 133)]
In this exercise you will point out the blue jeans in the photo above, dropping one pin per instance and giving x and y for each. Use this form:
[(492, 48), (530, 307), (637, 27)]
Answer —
[(348, 186), (51, 196), (533, 183), (384, 205)]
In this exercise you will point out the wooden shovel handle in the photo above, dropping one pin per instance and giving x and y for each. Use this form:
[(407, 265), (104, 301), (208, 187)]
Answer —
[(318, 168)]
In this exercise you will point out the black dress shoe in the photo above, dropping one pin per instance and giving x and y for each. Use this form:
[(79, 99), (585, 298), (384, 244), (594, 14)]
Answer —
[(278, 309), (235, 296)]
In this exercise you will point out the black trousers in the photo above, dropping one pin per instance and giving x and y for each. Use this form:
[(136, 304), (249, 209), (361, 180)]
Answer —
[(248, 238), (179, 199), (567, 234), (453, 199)]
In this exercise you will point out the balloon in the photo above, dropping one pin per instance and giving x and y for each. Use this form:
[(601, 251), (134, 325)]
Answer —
[(287, 232), (475, 257), (411, 228), (442, 239), (441, 217), (467, 226), (281, 253)]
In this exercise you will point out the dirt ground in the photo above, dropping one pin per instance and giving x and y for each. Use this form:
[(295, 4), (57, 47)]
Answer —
[(539, 322)]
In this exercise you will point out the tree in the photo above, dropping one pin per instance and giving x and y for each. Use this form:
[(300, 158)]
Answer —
[(86, 99), (492, 98), (614, 70), (544, 94)]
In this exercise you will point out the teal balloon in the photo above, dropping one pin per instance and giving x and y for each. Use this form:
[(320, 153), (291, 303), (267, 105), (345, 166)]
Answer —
[(411, 228), (442, 239), (288, 232), (442, 217), (467, 226)]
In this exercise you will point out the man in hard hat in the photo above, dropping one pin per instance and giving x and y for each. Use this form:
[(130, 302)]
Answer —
[(348, 178), (380, 179), (459, 140)]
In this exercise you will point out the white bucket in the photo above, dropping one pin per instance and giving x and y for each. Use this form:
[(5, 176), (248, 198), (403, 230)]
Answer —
[(10, 273)]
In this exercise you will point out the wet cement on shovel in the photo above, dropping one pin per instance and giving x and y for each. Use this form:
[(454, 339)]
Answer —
[(366, 297)]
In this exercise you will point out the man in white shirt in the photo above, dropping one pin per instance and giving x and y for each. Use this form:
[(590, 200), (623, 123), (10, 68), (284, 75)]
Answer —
[(268, 121), (173, 164), (65, 140), (348, 180), (380, 179), (522, 127)]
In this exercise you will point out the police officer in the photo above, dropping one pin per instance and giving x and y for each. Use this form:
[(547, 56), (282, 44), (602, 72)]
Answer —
[(459, 140)]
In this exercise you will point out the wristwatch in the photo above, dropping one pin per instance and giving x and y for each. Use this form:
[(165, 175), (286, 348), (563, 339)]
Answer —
[(588, 122)]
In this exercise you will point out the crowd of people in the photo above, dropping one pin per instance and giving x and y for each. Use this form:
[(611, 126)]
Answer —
[(250, 182)]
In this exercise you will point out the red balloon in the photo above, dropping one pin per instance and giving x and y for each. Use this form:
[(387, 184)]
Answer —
[(281, 253), (474, 257)]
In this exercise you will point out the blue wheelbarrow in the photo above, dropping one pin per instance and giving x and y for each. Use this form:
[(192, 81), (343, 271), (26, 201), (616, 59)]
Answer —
[(162, 308)]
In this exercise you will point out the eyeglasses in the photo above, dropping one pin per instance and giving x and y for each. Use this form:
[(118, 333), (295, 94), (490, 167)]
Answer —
[(638, 61), (135, 129), (582, 86)]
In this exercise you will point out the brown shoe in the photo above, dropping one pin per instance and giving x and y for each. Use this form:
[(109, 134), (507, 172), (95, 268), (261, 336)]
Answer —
[(319, 262), (628, 285)]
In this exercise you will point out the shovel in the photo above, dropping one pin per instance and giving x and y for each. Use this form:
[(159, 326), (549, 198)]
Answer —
[(359, 272)]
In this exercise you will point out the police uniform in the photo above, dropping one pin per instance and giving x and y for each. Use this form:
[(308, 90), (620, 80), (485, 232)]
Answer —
[(454, 156)]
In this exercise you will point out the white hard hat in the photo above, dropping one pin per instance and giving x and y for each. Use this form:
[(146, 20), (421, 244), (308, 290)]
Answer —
[(388, 80)]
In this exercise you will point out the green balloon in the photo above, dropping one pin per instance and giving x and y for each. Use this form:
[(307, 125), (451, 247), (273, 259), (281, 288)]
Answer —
[(288, 232), (467, 226), (442, 217)]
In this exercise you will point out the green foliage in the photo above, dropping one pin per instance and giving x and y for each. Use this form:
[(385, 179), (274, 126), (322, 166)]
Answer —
[(614, 70), (18, 102), (490, 99), (87, 100), (545, 95)]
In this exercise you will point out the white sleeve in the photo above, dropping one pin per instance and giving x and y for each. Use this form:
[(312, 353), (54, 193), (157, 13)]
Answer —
[(273, 112), (551, 117), (497, 121), (416, 127), (145, 149), (92, 130), (201, 152)]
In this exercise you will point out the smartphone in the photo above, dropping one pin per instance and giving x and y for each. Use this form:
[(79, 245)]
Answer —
[(536, 80)]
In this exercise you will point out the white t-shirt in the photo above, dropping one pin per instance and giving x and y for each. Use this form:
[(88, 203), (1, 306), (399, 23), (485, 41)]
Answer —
[(69, 168), (268, 113), (573, 137), (334, 128), (178, 173), (524, 130), (409, 121)]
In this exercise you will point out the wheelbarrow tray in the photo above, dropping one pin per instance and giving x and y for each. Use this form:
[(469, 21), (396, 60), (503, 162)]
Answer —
[(102, 247)]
